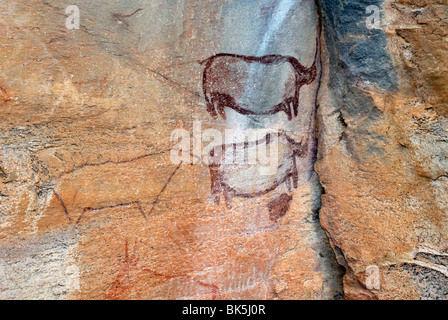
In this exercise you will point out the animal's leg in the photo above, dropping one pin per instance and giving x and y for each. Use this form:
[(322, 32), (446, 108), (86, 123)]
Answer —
[(295, 104), (216, 183), (285, 106), (211, 111), (221, 111), (217, 198), (228, 198), (212, 106), (295, 173)]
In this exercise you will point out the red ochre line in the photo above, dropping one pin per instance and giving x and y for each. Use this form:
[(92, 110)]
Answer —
[(127, 204)]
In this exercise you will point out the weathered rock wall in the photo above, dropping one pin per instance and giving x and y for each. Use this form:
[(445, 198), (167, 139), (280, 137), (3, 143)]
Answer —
[(383, 151), (92, 204), (89, 187)]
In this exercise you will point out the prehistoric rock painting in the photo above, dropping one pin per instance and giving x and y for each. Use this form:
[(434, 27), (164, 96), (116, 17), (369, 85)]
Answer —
[(130, 266), (245, 85), (73, 196), (279, 207), (225, 76), (226, 177)]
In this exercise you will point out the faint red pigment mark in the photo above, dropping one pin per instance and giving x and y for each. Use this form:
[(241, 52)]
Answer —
[(223, 86), (126, 264), (279, 207), (122, 283), (99, 86), (267, 10), (74, 196)]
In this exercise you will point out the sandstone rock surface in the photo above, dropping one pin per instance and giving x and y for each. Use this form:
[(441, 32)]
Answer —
[(382, 157), (92, 205)]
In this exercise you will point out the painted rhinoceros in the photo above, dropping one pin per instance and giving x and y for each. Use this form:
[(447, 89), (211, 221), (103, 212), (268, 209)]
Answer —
[(244, 179), (255, 85)]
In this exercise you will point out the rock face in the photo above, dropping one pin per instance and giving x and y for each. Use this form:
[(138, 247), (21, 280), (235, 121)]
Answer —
[(114, 180), (383, 153), (96, 175)]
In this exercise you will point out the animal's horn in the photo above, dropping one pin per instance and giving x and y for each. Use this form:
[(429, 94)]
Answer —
[(312, 71)]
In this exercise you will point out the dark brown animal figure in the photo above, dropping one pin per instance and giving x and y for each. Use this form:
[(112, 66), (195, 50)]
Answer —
[(243, 179), (275, 81)]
